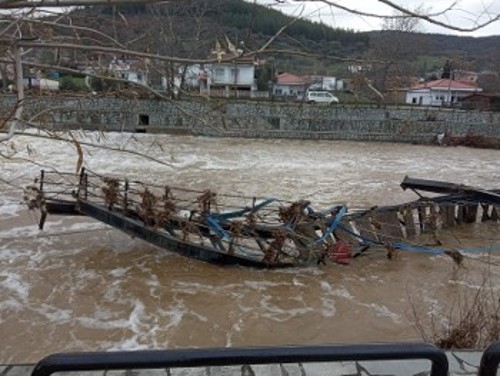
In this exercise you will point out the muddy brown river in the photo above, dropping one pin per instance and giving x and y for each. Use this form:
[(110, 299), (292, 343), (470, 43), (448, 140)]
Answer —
[(80, 285)]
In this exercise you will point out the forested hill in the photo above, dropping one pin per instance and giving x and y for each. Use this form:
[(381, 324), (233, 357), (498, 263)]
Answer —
[(257, 19), (477, 53), (191, 27), (251, 23)]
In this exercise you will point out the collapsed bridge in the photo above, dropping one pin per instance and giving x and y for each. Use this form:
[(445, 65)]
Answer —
[(262, 232)]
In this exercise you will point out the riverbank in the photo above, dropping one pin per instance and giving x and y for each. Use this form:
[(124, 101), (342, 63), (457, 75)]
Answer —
[(261, 119)]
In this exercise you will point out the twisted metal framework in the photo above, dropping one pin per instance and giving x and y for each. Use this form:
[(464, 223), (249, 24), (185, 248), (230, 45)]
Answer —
[(258, 231)]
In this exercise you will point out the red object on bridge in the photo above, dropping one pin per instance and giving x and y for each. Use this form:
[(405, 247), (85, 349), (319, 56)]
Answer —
[(341, 253)]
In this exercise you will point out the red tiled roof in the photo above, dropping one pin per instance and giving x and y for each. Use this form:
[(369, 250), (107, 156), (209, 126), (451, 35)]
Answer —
[(290, 79), (445, 83)]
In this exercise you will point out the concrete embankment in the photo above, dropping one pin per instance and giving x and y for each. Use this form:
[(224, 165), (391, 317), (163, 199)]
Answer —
[(256, 119), (462, 363)]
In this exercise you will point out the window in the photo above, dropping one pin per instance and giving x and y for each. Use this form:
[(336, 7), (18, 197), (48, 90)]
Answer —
[(414, 100), (219, 74), (234, 74), (143, 119), (275, 122)]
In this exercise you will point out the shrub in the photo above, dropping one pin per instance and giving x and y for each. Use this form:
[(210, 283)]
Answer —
[(72, 83), (472, 321)]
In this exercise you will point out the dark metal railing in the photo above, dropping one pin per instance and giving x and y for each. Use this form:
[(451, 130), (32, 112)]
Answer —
[(490, 360), (159, 359)]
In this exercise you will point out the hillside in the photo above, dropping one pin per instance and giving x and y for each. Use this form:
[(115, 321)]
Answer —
[(190, 28), (246, 21), (476, 53)]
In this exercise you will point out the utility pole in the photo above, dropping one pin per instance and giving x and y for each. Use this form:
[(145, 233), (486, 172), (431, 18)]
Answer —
[(15, 120), (17, 51)]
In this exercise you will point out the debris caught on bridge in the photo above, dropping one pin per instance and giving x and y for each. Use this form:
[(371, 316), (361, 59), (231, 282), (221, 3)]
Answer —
[(261, 232)]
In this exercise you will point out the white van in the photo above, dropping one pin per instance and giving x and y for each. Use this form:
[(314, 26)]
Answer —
[(321, 97)]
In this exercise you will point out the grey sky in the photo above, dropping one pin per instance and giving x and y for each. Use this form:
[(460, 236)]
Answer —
[(465, 13)]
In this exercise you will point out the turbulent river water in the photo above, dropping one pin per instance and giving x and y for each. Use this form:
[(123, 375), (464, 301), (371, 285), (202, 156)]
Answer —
[(79, 285)]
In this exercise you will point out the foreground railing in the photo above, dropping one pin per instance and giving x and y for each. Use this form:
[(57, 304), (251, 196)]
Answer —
[(490, 360), (138, 360), (187, 358)]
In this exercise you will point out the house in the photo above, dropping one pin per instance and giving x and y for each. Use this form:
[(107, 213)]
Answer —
[(481, 102), (7, 73), (465, 76), (48, 84), (233, 74), (33, 79), (225, 78), (328, 83), (443, 92), (41, 83), (186, 78), (129, 70), (290, 85), (359, 68)]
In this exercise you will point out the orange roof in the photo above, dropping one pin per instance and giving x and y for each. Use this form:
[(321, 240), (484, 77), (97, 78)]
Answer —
[(290, 79), (446, 83)]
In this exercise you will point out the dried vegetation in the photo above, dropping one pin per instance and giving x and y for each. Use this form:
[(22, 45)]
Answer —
[(472, 321)]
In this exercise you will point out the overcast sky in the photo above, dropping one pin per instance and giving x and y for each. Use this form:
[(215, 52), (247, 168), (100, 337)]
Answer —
[(465, 14)]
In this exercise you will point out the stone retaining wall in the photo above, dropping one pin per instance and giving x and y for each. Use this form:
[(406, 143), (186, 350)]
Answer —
[(259, 119)]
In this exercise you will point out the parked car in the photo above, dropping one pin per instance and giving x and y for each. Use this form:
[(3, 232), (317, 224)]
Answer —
[(321, 97)]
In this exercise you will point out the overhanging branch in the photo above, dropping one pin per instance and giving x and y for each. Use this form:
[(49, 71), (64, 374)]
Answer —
[(13, 4)]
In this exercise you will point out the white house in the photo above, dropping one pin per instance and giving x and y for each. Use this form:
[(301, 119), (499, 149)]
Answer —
[(328, 83), (187, 76), (233, 75), (47, 84), (221, 78), (290, 85), (35, 81), (440, 92), (129, 70)]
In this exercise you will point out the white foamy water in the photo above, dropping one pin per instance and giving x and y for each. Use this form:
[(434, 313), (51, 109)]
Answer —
[(79, 285)]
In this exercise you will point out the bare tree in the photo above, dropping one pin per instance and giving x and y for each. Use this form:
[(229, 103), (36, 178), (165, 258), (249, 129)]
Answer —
[(476, 20), (48, 34), (181, 30), (396, 47), (60, 40)]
